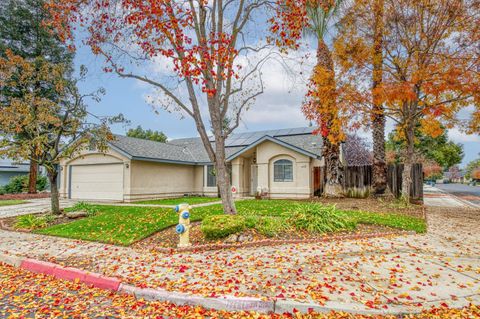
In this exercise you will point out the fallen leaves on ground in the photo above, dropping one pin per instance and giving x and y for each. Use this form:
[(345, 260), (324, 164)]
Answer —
[(24, 294)]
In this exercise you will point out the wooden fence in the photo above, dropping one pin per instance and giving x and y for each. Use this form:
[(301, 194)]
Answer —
[(360, 177)]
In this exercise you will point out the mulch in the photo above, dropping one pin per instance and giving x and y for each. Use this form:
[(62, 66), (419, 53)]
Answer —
[(375, 205), (24, 196), (8, 223), (168, 238)]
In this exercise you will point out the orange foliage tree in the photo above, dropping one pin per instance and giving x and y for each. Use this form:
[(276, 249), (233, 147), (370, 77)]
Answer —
[(42, 102), (325, 101), (430, 66), (432, 170), (476, 174), (214, 48)]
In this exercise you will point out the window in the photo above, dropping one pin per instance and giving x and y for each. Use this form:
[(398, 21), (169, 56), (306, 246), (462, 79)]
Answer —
[(211, 176), (283, 171)]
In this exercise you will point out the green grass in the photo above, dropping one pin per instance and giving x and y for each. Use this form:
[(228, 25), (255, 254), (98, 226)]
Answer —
[(174, 201), (124, 225), (9, 202)]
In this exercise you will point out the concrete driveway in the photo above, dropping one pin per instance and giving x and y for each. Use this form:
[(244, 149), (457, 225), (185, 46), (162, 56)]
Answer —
[(32, 206)]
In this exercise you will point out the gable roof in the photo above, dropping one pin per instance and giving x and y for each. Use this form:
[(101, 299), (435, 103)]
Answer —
[(192, 151)]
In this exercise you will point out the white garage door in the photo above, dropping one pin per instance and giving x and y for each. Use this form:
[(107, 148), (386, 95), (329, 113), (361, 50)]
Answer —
[(98, 182)]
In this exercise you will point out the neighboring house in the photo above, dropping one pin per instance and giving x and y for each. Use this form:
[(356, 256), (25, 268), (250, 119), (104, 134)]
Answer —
[(279, 162), (455, 177), (9, 169)]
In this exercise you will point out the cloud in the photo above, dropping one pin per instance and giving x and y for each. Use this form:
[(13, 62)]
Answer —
[(460, 137)]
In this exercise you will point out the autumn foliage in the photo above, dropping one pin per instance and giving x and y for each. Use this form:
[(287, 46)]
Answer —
[(476, 174), (207, 45)]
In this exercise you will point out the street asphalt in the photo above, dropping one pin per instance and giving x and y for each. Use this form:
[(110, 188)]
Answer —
[(466, 192)]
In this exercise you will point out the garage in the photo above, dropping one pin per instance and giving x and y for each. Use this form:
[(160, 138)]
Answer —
[(97, 182)]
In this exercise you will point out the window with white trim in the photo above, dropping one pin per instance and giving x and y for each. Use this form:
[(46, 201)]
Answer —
[(283, 171), (211, 176)]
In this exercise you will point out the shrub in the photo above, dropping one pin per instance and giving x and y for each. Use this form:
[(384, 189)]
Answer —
[(19, 184), (84, 207), (271, 226), (317, 218), (221, 226), (30, 222)]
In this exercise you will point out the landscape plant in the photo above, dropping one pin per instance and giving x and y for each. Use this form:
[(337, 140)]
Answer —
[(20, 184), (30, 222), (221, 226)]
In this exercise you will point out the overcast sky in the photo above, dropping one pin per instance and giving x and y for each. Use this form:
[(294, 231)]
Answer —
[(278, 107)]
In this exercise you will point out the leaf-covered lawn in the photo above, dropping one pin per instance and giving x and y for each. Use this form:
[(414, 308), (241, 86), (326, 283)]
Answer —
[(175, 201), (9, 202), (125, 225), (117, 225)]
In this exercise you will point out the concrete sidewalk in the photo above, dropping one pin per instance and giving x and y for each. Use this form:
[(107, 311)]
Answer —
[(33, 206), (392, 275), (435, 197)]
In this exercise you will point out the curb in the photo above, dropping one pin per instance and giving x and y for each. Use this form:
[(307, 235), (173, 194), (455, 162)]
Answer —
[(60, 272), (229, 303)]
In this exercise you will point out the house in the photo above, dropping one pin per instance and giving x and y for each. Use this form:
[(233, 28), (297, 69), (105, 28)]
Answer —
[(9, 169), (279, 162)]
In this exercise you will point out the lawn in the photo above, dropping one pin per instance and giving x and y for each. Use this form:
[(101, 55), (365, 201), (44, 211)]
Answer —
[(9, 202), (174, 201), (125, 225)]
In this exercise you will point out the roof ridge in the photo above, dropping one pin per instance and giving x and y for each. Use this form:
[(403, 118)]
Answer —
[(148, 141)]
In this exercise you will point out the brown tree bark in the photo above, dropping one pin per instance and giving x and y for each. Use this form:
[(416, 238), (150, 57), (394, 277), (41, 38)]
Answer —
[(223, 174), (408, 159), (32, 177), (378, 116), (54, 194), (330, 151)]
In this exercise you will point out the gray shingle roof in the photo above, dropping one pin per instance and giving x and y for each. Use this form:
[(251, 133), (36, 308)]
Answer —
[(191, 150)]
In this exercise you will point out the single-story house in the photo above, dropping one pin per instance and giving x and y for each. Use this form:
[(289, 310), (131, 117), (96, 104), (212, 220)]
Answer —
[(279, 162), (9, 169)]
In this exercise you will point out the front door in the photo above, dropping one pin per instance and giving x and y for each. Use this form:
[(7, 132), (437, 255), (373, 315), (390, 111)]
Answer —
[(253, 179)]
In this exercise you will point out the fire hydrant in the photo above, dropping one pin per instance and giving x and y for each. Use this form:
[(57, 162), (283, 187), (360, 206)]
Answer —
[(183, 227)]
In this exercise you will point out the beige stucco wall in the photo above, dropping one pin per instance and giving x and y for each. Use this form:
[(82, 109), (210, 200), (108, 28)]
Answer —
[(158, 180), (89, 158), (269, 152)]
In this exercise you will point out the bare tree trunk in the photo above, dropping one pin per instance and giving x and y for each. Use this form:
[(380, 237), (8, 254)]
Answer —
[(407, 162), (223, 178), (333, 170), (33, 174), (378, 116), (330, 151), (54, 195)]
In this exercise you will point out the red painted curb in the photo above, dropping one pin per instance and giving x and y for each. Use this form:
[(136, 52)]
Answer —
[(71, 274), (102, 282), (37, 266), (68, 273)]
